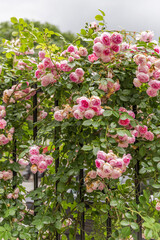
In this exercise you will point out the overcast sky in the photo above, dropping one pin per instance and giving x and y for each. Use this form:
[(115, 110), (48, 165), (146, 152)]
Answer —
[(136, 15)]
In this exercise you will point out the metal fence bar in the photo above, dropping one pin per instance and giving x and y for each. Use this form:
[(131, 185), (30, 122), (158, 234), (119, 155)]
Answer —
[(56, 133), (82, 223), (137, 189), (109, 226), (35, 131)]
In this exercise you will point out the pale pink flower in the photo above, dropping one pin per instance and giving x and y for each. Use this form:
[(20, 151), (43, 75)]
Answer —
[(157, 63), (34, 169), (156, 74), (97, 39), (9, 196), (116, 38), (92, 174), (34, 150), (136, 82), (16, 191), (143, 68), (154, 84), (98, 48), (58, 116), (103, 87), (102, 155), (71, 59), (116, 86), (64, 66), (126, 159), (101, 186), (99, 163), (116, 173), (49, 159), (42, 165), (105, 59), (83, 51), (34, 159), (152, 92), (74, 77), (92, 57), (95, 101), (107, 168), (105, 38), (89, 113), (115, 48), (158, 206), (143, 77), (142, 130), (41, 55), (23, 162), (149, 136), (79, 72), (47, 62), (101, 174), (78, 114), (95, 185)]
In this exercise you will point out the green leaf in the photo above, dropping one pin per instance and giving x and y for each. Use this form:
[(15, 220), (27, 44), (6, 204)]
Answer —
[(87, 122), (126, 231), (158, 166), (99, 18), (134, 226), (113, 203), (14, 20), (128, 215), (156, 185), (107, 113), (102, 12), (8, 55), (83, 32), (86, 148), (125, 223), (14, 34), (58, 224), (156, 159)]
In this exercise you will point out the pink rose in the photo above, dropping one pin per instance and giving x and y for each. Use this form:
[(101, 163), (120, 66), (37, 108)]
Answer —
[(95, 101), (115, 48), (34, 150), (116, 173), (49, 159), (78, 114), (107, 168), (89, 114), (101, 186), (47, 62), (157, 63), (116, 38), (71, 48), (156, 74), (124, 122), (101, 173), (105, 59), (143, 68), (136, 82), (92, 57), (34, 159), (42, 165), (92, 174), (99, 163), (154, 84), (98, 48), (97, 39), (41, 55), (23, 162), (74, 77), (152, 92), (84, 102), (143, 77), (106, 52), (102, 155), (158, 206), (105, 38), (79, 72), (83, 52), (149, 136), (119, 163), (126, 159), (9, 196), (103, 87), (3, 123), (58, 115), (142, 130)]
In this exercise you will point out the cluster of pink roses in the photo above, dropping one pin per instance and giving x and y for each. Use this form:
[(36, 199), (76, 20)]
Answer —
[(6, 175), (15, 93), (145, 36), (39, 161), (86, 107), (110, 166), (13, 195), (106, 45), (77, 76), (148, 72), (72, 52), (3, 139)]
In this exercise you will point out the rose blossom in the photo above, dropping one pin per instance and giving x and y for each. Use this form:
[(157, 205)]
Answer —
[(143, 77), (149, 136), (71, 48), (34, 169), (49, 159), (41, 55), (92, 57), (101, 186), (158, 206), (79, 72), (154, 84), (98, 48), (99, 163), (78, 114), (92, 174), (102, 155), (116, 173), (34, 150), (116, 38), (152, 92), (9, 196), (107, 168), (142, 130), (3, 123), (34, 159), (89, 114), (136, 82), (74, 77), (83, 102), (58, 115), (42, 165), (124, 122), (101, 173), (115, 48), (83, 52)]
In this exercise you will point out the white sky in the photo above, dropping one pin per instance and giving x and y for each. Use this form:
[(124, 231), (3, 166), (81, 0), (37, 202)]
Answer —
[(136, 15)]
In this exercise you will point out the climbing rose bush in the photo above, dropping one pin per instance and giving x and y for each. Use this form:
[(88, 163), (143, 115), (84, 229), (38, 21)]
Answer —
[(95, 105)]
